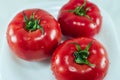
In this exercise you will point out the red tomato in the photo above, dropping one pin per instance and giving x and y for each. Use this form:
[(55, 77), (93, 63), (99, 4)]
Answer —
[(33, 34), (80, 59), (80, 18)]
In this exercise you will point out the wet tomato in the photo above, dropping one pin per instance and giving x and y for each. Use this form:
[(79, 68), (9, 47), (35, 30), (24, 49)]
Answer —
[(80, 59), (33, 34), (80, 18)]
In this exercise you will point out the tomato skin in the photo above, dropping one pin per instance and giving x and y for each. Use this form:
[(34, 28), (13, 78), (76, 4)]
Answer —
[(80, 26), (33, 46), (65, 68)]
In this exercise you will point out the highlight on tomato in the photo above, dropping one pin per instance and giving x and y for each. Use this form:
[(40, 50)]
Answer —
[(80, 18), (80, 59), (33, 34)]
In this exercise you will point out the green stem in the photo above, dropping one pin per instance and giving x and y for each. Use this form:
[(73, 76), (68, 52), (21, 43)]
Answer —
[(81, 11), (84, 4), (32, 24), (81, 56)]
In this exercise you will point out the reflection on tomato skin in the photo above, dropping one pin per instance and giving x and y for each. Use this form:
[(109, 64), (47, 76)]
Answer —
[(33, 45), (64, 66)]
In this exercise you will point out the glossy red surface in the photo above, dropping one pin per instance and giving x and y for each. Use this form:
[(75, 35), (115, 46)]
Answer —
[(80, 26), (33, 45), (65, 68)]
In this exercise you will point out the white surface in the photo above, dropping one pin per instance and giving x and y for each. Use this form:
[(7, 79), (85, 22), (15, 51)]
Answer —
[(12, 68)]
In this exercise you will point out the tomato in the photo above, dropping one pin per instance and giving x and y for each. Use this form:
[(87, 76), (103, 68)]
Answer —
[(80, 18), (80, 59), (33, 34)]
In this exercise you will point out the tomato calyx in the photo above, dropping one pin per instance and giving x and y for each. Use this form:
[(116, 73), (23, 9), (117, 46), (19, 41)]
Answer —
[(81, 56), (32, 24), (81, 10)]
